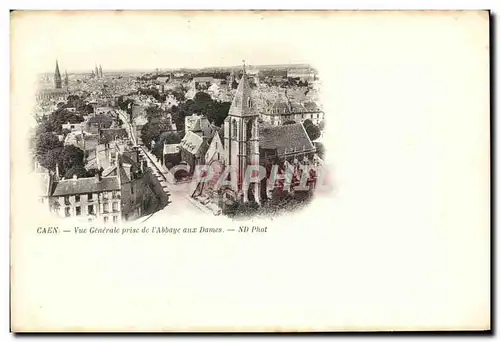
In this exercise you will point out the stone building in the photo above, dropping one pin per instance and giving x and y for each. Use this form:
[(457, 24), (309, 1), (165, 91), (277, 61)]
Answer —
[(250, 142), (122, 190), (93, 197), (283, 110)]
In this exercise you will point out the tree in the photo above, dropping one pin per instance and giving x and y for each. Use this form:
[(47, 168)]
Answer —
[(307, 122), (321, 125), (50, 159), (46, 142), (320, 149), (101, 120), (218, 112), (77, 170), (70, 156), (202, 102), (54, 122), (312, 131), (151, 132), (165, 138), (65, 132)]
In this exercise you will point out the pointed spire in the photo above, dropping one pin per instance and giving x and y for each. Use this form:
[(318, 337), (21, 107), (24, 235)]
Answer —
[(57, 76), (66, 80), (242, 104)]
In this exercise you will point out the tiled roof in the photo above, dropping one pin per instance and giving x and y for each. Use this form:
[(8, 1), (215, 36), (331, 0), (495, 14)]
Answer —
[(285, 137), (311, 106), (296, 107), (280, 107), (85, 185), (191, 142)]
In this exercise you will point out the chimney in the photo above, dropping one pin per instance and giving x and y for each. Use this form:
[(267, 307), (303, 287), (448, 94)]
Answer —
[(98, 175), (107, 154)]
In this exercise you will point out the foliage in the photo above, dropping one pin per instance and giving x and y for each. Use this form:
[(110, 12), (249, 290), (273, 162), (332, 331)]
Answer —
[(124, 104), (46, 142), (320, 150), (152, 92), (289, 122), (321, 125), (77, 170), (54, 121), (74, 101), (65, 132), (218, 112), (151, 132), (50, 158), (101, 120), (165, 138), (203, 104), (70, 156), (312, 130)]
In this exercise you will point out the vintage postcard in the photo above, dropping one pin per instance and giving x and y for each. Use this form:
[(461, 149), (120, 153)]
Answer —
[(250, 171)]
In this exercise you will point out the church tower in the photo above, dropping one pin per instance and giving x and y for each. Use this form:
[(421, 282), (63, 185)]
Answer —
[(57, 77), (241, 138), (66, 80), (96, 71), (100, 70)]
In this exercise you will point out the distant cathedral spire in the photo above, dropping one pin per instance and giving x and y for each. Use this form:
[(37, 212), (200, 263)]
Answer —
[(96, 71), (57, 77), (66, 80), (100, 70)]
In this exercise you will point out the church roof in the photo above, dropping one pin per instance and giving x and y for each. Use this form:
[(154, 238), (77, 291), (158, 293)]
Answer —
[(191, 142), (243, 104), (287, 138)]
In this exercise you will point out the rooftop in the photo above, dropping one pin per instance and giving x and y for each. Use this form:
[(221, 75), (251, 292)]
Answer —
[(286, 138), (85, 185)]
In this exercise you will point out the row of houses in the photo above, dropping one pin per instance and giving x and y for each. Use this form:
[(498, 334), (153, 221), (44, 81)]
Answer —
[(120, 191)]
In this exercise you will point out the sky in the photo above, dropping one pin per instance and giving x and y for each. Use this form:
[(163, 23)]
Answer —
[(157, 39)]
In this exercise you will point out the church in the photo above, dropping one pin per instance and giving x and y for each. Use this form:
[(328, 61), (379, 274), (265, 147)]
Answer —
[(56, 94), (248, 142)]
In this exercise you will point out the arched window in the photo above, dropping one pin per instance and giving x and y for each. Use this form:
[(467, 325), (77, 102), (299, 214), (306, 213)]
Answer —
[(249, 129), (249, 102), (235, 129)]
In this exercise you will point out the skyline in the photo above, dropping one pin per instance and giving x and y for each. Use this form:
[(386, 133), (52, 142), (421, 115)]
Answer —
[(164, 40), (153, 69)]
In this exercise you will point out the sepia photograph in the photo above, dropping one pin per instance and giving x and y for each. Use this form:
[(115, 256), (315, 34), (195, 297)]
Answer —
[(249, 170), (123, 145)]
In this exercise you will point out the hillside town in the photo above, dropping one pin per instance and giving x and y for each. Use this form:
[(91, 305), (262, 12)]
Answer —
[(117, 146)]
